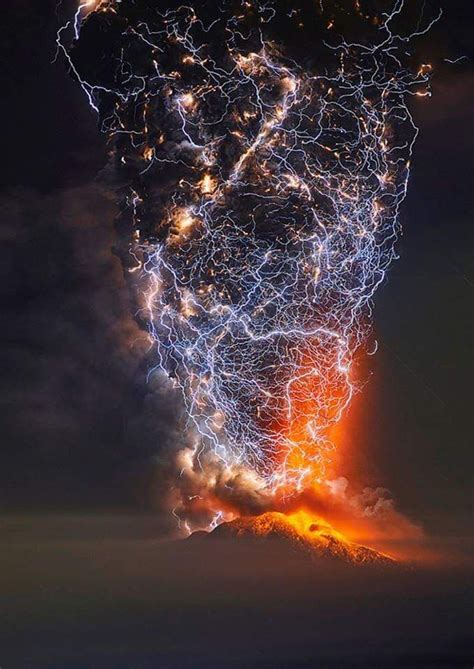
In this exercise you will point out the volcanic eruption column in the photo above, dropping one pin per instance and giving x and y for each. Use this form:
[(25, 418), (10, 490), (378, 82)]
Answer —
[(262, 191)]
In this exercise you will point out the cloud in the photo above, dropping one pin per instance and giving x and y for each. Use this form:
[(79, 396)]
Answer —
[(75, 400)]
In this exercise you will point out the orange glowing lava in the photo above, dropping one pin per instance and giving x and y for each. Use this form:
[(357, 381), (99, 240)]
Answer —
[(315, 425), (305, 533), (310, 526)]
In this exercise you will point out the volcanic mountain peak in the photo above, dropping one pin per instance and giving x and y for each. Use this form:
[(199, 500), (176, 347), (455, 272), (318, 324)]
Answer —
[(302, 533)]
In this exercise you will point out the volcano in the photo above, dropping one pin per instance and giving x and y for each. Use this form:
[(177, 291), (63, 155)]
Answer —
[(300, 533)]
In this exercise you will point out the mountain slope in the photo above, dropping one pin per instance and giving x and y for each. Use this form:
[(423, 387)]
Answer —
[(316, 539)]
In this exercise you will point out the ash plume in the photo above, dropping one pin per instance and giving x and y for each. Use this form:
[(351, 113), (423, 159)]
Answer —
[(262, 150), (205, 493)]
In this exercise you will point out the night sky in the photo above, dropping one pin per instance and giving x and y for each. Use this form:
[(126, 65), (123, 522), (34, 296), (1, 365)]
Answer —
[(79, 425)]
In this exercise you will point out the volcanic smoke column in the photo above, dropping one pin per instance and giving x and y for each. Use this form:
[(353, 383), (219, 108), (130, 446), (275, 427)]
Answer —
[(263, 160)]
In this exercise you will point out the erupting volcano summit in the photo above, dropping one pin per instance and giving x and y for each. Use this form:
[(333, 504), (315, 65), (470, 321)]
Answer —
[(263, 150), (301, 533)]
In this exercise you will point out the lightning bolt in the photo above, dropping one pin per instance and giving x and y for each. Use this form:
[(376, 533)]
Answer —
[(262, 211)]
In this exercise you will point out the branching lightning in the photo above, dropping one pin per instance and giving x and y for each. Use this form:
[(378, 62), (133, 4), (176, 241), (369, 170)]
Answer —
[(262, 211)]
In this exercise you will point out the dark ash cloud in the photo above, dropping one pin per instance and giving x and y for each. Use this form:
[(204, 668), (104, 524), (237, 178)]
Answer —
[(76, 406)]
